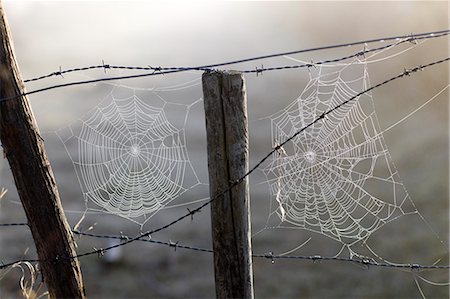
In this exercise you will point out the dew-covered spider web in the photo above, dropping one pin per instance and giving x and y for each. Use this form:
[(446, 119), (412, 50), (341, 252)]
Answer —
[(129, 155), (336, 178)]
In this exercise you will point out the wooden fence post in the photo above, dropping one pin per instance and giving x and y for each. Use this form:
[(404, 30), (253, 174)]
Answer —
[(227, 138), (24, 149)]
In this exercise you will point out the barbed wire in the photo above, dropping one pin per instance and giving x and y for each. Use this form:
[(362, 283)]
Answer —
[(361, 53), (191, 213), (160, 70), (270, 255), (123, 237), (13, 224), (364, 261), (212, 67), (157, 70)]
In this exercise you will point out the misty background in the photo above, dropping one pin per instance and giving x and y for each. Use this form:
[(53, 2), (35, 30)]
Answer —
[(48, 35)]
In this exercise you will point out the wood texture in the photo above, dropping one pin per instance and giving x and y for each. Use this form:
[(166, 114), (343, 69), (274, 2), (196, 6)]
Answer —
[(227, 141), (34, 179)]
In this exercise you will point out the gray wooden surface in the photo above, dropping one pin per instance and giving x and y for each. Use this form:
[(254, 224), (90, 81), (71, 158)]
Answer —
[(227, 145)]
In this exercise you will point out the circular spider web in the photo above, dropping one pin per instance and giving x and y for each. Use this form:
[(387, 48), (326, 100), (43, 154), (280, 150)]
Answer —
[(130, 159), (336, 178)]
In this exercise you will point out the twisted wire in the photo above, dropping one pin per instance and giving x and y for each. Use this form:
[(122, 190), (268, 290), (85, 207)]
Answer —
[(270, 255), (159, 70), (212, 67), (13, 224)]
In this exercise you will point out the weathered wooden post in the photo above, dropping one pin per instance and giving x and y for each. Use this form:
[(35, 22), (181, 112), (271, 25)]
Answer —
[(227, 134), (34, 179)]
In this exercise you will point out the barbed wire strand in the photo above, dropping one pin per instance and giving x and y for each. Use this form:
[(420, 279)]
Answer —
[(270, 255), (209, 68), (191, 213), (402, 39), (170, 70), (13, 224)]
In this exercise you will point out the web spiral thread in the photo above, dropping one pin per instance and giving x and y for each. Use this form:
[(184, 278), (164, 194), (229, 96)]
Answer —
[(130, 159), (336, 178)]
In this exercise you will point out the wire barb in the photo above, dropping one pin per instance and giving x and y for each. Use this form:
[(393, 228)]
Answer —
[(191, 212), (173, 244), (100, 252), (412, 39), (157, 69), (366, 262), (279, 149), (123, 237), (415, 267), (105, 66), (316, 258), (259, 71), (363, 52), (270, 256), (58, 73), (407, 72)]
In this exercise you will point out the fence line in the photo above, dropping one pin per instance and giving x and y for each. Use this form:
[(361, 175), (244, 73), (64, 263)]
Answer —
[(170, 70), (410, 38), (13, 224), (270, 255), (191, 213)]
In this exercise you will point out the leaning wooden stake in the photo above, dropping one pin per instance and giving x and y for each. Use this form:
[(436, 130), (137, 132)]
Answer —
[(34, 179), (227, 134)]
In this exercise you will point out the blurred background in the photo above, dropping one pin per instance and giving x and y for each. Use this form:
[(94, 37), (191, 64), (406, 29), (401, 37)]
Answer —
[(50, 35)]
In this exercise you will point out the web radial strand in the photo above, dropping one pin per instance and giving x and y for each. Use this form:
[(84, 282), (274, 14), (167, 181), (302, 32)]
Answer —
[(336, 178), (130, 159)]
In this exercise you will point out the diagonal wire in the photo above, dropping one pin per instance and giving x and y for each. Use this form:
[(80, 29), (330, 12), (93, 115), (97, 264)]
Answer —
[(148, 240), (406, 72), (169, 70), (357, 54), (275, 149), (158, 70)]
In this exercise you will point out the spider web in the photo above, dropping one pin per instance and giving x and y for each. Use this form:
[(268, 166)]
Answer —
[(130, 158), (336, 178)]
